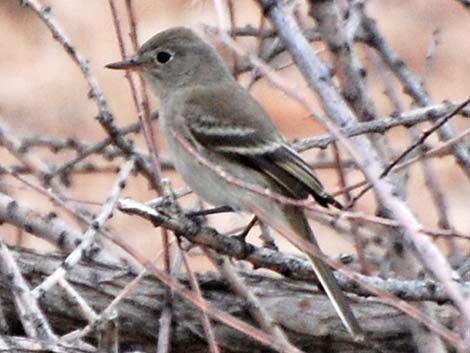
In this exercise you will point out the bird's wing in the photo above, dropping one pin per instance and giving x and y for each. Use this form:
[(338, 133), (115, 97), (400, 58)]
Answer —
[(289, 161), (249, 136)]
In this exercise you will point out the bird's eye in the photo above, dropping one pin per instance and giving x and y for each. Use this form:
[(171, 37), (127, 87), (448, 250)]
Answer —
[(163, 57)]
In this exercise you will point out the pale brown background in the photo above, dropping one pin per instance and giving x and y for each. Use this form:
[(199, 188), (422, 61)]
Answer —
[(42, 91)]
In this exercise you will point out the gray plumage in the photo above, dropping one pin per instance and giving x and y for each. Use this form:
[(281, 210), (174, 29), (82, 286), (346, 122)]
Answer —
[(203, 104)]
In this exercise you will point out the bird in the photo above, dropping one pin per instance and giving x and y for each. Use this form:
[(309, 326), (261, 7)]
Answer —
[(206, 113)]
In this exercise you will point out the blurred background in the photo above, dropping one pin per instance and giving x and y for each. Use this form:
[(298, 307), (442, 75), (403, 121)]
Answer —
[(43, 93)]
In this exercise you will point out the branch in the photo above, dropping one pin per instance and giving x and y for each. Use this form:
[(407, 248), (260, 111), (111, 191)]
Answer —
[(288, 265), (285, 300)]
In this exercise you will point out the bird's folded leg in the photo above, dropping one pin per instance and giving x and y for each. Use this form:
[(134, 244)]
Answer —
[(209, 211)]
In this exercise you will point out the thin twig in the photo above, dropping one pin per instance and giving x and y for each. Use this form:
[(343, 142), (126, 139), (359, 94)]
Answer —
[(91, 233), (105, 117), (424, 135), (32, 318)]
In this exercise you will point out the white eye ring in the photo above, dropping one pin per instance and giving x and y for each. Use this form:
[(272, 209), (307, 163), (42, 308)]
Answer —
[(163, 57)]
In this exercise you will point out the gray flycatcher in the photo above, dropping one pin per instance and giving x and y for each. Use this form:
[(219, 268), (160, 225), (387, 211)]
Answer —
[(204, 107)]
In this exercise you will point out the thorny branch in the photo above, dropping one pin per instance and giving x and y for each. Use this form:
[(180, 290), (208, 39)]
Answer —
[(284, 37)]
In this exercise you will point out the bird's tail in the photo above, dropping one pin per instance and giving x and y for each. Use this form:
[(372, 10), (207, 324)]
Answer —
[(291, 222)]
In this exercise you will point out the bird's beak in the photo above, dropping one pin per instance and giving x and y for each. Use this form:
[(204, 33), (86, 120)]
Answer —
[(134, 63)]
